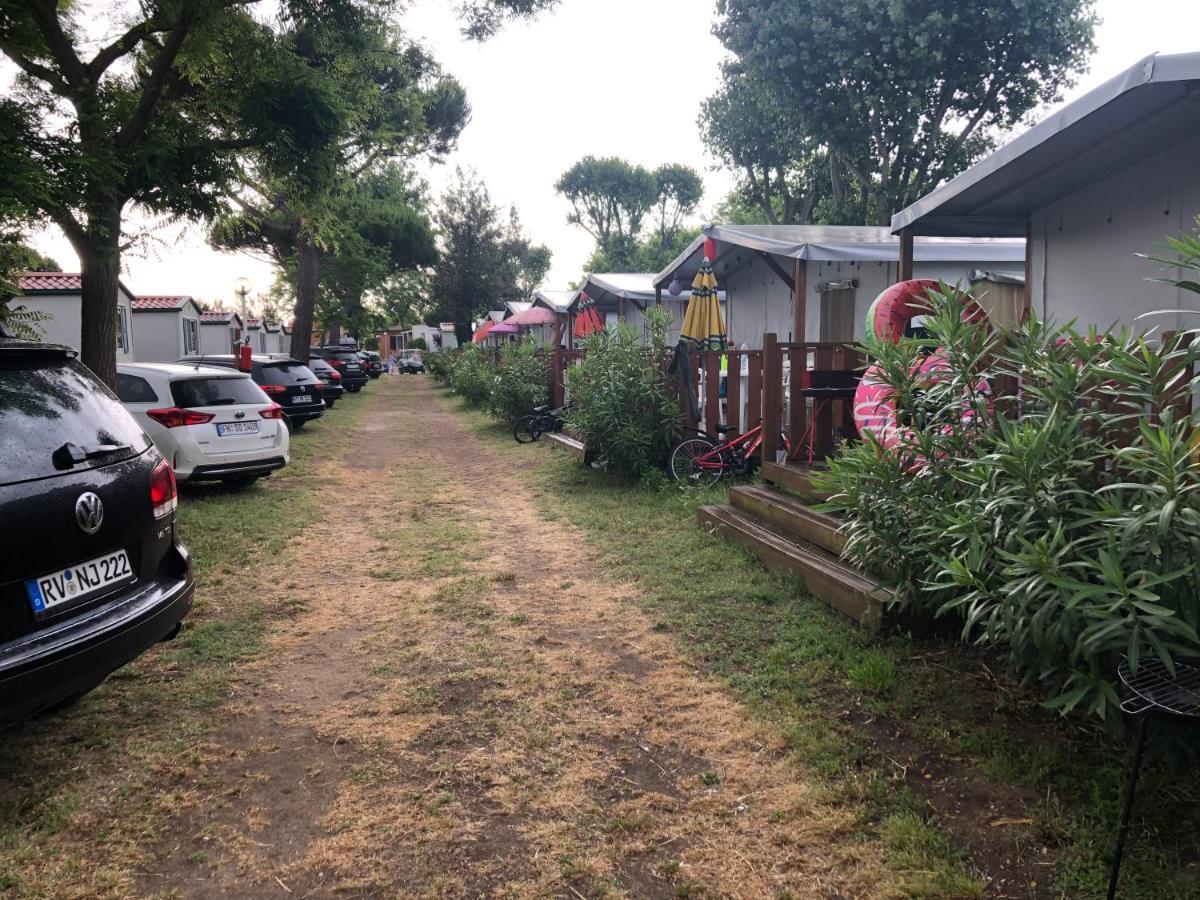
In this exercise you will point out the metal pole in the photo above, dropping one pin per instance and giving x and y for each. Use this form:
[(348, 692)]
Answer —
[(1135, 768)]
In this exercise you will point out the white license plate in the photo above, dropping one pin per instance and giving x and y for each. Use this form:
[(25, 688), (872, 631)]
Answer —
[(237, 428), (79, 581), (302, 398)]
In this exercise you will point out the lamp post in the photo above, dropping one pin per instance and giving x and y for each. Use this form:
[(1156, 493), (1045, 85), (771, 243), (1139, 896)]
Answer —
[(241, 287)]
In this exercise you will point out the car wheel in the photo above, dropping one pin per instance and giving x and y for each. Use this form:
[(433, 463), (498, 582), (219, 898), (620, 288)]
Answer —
[(329, 404), (355, 389), (295, 425), (239, 484)]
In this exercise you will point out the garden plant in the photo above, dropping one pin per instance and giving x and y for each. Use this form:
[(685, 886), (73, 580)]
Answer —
[(1058, 525), (521, 381)]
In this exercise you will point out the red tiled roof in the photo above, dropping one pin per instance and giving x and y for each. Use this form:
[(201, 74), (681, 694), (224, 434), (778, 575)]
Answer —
[(156, 303), (217, 316), (51, 281), (253, 323)]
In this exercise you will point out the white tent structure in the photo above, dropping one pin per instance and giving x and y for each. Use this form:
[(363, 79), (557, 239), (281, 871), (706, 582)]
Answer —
[(1107, 176), (839, 269)]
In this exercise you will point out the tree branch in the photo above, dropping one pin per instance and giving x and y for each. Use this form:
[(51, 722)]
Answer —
[(121, 46), (36, 70), (159, 70), (45, 15)]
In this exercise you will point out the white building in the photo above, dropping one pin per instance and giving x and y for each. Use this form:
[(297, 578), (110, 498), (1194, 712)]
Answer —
[(168, 328), (59, 295), (1104, 178), (219, 331), (839, 270)]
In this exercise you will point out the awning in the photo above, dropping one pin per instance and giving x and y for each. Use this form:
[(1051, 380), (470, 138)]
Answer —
[(535, 315), (1145, 109), (608, 288), (738, 244), (559, 301)]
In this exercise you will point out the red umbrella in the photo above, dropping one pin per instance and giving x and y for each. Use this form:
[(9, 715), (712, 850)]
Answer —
[(535, 315), (588, 320), (482, 331)]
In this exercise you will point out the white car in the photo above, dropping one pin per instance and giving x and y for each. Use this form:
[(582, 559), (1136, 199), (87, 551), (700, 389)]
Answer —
[(212, 424)]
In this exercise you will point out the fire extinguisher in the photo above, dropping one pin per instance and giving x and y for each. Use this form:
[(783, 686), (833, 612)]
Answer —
[(243, 357)]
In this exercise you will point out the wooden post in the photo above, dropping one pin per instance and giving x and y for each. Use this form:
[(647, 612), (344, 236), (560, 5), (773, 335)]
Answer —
[(733, 391), (712, 391), (570, 330), (906, 254), (1028, 295), (822, 444), (556, 378), (754, 389), (657, 295), (799, 301), (621, 310), (772, 393)]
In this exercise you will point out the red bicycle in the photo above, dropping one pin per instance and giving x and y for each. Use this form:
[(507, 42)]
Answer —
[(702, 461)]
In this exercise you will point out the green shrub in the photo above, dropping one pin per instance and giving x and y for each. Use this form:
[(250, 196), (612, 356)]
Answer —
[(473, 375), (1066, 539), (418, 344), (522, 381), (440, 365), (622, 403)]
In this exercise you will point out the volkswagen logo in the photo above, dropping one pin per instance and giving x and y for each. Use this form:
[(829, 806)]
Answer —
[(89, 512)]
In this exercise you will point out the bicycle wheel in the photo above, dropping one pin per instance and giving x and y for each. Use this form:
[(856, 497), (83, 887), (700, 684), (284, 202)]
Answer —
[(697, 462), (523, 430)]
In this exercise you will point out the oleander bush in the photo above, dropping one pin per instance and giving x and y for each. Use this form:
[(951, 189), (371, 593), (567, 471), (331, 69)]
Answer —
[(440, 365), (623, 406), (521, 382), (473, 374), (1059, 527)]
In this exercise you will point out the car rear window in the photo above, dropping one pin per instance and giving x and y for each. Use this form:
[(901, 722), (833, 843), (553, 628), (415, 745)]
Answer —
[(286, 373), (47, 401), (345, 355), (193, 392)]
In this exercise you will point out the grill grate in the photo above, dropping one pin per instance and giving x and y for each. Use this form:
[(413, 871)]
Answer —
[(1155, 687)]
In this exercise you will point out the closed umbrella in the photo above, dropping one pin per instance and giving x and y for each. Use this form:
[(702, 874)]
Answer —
[(588, 321), (703, 324), (703, 329), (535, 315)]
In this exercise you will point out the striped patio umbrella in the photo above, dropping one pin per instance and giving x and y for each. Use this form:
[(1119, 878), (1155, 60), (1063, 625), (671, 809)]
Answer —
[(703, 324), (588, 320)]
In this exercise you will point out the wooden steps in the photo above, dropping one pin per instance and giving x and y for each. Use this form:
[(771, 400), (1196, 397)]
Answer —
[(793, 477), (564, 441), (786, 533)]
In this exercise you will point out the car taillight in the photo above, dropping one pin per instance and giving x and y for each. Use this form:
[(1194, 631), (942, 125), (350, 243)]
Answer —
[(174, 417), (273, 388), (337, 364), (274, 411), (335, 375), (164, 496)]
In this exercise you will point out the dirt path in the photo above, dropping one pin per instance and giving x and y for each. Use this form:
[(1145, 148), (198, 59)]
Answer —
[(465, 705)]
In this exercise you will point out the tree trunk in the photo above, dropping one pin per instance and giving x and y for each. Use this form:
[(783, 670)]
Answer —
[(335, 331), (309, 272), (100, 264)]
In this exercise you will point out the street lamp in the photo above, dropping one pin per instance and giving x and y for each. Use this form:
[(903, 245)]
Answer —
[(241, 287)]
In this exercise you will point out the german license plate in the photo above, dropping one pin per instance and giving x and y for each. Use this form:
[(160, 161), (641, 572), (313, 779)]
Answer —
[(302, 398), (79, 581), (237, 428)]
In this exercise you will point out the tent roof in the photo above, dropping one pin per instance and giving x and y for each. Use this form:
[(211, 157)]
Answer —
[(496, 315), (609, 287), (517, 306), (832, 243), (559, 301), (1145, 109)]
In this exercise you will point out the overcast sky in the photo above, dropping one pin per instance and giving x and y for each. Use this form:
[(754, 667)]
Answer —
[(605, 77)]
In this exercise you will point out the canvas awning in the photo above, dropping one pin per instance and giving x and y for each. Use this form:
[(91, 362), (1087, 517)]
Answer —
[(608, 288), (535, 315), (1145, 109), (559, 301), (736, 245)]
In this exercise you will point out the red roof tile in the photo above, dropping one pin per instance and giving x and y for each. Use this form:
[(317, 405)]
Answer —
[(217, 316), (155, 303), (51, 281)]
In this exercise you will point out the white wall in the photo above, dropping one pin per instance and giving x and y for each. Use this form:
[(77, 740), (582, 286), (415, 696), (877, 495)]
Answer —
[(159, 336), (63, 324), (216, 337), (1084, 266)]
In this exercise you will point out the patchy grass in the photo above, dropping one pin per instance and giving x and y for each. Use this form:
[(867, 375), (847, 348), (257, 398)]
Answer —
[(146, 723), (847, 703)]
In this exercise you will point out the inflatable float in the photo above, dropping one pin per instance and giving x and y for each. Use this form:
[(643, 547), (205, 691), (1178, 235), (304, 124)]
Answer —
[(889, 316)]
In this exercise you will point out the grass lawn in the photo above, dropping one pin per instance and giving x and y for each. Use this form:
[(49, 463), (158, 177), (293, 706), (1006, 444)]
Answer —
[(132, 738), (918, 736)]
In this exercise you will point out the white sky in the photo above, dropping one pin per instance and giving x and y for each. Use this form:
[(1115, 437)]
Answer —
[(605, 77)]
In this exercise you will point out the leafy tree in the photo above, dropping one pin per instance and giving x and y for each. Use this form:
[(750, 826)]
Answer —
[(610, 199), (680, 190), (484, 262), (97, 127), (906, 95), (17, 257)]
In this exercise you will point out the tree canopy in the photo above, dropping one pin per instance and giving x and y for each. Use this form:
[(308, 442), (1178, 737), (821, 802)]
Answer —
[(901, 95)]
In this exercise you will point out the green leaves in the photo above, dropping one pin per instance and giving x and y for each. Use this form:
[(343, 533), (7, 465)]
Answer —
[(1067, 539)]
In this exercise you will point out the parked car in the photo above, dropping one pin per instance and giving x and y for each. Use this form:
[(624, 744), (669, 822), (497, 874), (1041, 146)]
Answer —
[(212, 424), (92, 571), (348, 364), (331, 379), (372, 362), (288, 382), (412, 365)]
